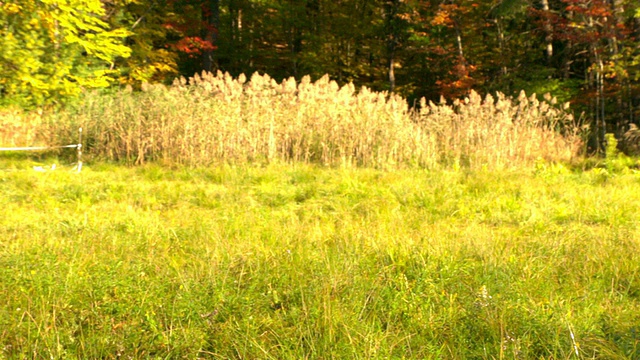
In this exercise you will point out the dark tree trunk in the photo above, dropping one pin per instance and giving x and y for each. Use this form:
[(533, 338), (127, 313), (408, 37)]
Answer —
[(391, 11), (211, 25), (548, 33)]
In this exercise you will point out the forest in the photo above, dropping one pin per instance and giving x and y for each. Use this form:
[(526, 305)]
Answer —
[(586, 52)]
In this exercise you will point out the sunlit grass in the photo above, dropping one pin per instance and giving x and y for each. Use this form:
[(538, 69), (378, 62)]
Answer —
[(297, 261)]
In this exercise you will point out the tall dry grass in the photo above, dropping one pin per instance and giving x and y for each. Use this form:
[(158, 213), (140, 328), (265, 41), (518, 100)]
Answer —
[(19, 128), (501, 132), (216, 118)]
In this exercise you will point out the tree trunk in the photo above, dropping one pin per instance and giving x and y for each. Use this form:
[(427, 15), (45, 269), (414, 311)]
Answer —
[(211, 25), (392, 39), (548, 33), (620, 123), (459, 42), (502, 45)]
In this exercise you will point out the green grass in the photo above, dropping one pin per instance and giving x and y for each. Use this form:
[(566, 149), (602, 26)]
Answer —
[(292, 261)]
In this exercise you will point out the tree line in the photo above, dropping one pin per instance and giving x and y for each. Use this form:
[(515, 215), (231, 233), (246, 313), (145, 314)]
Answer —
[(583, 51)]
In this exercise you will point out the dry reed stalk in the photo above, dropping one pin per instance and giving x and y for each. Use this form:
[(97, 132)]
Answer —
[(215, 118), (19, 128)]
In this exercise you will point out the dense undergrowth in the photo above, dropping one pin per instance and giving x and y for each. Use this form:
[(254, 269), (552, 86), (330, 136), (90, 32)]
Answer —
[(297, 261), (217, 119)]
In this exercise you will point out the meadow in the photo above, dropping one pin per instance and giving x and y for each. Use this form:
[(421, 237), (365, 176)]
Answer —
[(291, 261), (250, 219)]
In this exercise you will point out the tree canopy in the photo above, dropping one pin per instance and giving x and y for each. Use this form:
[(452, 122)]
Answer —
[(51, 49), (583, 51)]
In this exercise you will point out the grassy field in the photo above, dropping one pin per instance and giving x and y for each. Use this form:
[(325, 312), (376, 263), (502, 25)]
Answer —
[(298, 261)]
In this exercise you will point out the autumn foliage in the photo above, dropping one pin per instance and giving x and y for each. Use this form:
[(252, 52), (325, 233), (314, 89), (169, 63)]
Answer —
[(582, 51)]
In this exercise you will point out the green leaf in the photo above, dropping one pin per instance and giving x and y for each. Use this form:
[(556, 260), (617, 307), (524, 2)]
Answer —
[(51, 49)]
